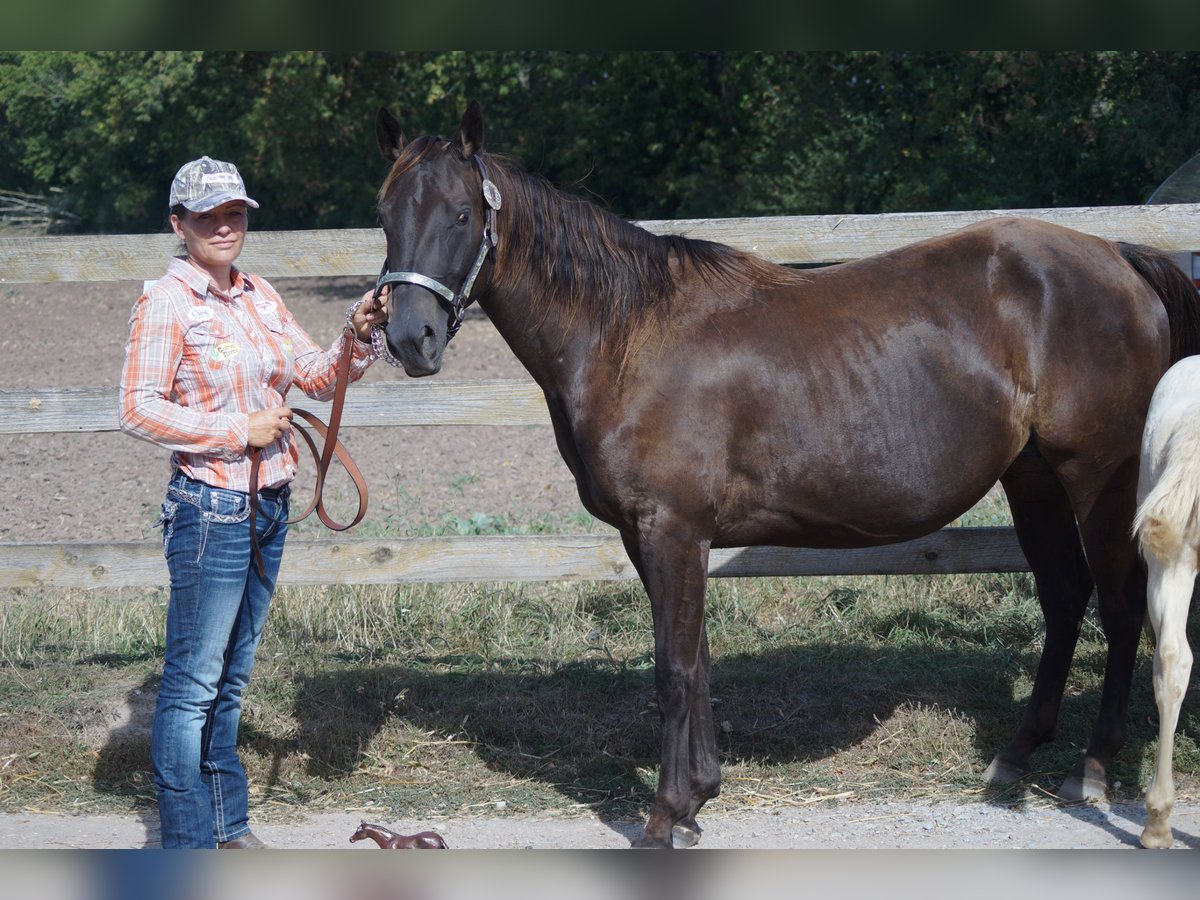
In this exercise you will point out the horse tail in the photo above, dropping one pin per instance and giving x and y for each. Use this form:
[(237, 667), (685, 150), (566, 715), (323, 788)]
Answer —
[(1169, 515), (1177, 292)]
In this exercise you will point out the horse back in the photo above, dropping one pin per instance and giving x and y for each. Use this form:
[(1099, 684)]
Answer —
[(893, 390)]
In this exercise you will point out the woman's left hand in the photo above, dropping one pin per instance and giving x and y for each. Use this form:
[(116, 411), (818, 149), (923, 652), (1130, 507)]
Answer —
[(370, 312)]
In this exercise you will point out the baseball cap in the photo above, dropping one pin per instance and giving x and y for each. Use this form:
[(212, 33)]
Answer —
[(205, 184)]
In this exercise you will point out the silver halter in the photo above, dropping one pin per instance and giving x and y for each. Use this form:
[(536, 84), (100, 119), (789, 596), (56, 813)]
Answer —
[(460, 301)]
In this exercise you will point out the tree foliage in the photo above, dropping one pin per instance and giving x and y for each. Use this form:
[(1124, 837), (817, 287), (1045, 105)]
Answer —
[(662, 134)]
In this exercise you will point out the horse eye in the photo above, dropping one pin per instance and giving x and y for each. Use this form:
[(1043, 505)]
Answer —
[(462, 218)]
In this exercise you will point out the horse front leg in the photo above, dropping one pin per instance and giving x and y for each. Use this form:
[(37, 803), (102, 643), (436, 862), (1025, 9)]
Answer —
[(1169, 595), (702, 749), (673, 565)]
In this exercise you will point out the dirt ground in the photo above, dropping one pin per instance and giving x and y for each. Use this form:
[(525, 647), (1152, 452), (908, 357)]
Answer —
[(107, 486), (834, 826)]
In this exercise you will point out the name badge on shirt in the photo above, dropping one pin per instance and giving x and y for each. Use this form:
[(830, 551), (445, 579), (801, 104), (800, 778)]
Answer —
[(266, 307), (225, 351), (200, 313)]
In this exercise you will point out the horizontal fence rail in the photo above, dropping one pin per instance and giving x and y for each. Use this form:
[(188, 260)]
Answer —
[(588, 557), (500, 401), (599, 557), (783, 239)]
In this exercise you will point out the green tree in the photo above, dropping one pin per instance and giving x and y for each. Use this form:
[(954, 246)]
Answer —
[(649, 134), (92, 125), (929, 131)]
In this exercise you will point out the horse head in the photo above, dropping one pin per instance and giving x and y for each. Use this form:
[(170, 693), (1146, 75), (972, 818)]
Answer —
[(437, 210)]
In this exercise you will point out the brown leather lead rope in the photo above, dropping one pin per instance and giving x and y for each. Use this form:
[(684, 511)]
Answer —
[(323, 459)]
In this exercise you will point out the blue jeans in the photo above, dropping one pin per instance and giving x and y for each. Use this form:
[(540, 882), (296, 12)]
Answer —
[(215, 618)]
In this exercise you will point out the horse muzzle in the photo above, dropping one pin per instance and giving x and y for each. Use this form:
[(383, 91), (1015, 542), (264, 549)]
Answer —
[(417, 346)]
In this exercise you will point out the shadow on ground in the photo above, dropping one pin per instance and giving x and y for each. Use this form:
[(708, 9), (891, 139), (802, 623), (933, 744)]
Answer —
[(589, 730)]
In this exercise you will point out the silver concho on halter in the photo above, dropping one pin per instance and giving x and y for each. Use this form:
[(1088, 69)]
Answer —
[(458, 302), (491, 194)]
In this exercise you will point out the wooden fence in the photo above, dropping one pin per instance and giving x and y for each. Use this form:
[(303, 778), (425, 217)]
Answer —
[(337, 559)]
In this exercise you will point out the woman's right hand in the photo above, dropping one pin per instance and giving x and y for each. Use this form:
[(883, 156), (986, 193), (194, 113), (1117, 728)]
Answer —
[(267, 425)]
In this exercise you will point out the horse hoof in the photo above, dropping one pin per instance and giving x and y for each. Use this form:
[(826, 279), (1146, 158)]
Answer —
[(644, 842), (1001, 772), (1157, 837), (1078, 789), (684, 835)]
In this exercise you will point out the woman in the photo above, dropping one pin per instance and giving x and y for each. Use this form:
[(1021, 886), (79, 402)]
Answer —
[(212, 353)]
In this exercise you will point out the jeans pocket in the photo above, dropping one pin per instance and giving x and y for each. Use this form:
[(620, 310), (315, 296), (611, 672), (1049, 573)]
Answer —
[(225, 507), (221, 508), (166, 519)]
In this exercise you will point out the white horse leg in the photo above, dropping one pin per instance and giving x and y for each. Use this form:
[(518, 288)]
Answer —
[(1169, 593)]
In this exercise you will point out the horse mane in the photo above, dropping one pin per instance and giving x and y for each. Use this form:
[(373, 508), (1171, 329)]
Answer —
[(593, 264), (572, 255)]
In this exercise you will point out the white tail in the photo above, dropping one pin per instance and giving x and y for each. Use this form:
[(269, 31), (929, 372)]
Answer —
[(1169, 515)]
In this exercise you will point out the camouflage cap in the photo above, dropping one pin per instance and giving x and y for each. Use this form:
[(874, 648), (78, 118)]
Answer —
[(205, 184)]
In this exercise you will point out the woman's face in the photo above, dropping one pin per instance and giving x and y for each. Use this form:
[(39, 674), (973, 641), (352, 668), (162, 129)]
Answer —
[(214, 239)]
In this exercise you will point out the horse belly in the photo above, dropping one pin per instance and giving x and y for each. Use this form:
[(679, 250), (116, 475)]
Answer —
[(865, 467), (860, 513)]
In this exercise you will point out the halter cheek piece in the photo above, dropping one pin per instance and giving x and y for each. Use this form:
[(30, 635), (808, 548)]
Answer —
[(458, 302)]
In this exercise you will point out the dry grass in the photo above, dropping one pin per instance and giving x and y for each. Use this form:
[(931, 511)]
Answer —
[(431, 701)]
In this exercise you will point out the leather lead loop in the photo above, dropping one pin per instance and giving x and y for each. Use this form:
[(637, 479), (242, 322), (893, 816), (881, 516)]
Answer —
[(331, 447)]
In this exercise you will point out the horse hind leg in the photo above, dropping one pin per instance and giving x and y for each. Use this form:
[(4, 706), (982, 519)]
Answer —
[(1169, 595), (1104, 500), (1045, 525)]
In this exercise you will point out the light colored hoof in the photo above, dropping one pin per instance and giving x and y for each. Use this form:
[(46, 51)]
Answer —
[(683, 837), (1157, 836), (1000, 772), (1082, 790)]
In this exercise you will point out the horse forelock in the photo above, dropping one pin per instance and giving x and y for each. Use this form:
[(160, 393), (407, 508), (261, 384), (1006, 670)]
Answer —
[(564, 250), (414, 152)]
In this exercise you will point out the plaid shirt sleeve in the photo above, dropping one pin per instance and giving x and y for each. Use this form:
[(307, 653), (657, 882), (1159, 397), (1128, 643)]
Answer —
[(150, 407), (316, 367)]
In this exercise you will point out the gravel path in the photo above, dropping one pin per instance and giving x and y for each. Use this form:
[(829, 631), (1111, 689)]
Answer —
[(845, 826)]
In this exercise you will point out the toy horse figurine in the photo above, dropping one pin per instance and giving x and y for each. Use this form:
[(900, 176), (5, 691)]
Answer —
[(389, 840)]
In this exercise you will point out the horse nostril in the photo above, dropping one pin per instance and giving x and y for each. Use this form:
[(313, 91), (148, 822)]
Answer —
[(429, 343)]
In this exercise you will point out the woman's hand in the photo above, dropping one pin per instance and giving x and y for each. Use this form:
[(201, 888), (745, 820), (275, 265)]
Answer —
[(267, 425), (369, 312)]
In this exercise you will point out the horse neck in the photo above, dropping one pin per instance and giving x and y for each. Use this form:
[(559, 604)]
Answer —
[(377, 833), (550, 339), (552, 346)]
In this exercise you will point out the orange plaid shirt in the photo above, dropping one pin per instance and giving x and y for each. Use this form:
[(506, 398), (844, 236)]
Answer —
[(199, 361)]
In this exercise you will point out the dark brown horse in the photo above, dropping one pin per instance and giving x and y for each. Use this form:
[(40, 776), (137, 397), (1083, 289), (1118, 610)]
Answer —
[(390, 840), (705, 398)]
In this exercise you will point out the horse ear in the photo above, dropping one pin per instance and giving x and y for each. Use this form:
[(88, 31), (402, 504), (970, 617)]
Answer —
[(470, 132), (387, 132)]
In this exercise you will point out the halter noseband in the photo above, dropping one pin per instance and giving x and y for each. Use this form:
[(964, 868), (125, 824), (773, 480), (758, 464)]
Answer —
[(460, 301)]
